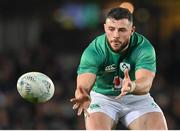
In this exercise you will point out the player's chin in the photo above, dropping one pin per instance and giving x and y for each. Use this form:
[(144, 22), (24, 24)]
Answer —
[(116, 48)]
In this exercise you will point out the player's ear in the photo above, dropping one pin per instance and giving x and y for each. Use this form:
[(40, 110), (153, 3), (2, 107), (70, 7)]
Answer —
[(133, 29), (104, 25)]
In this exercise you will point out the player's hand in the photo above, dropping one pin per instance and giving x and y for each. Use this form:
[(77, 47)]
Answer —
[(81, 101), (127, 85)]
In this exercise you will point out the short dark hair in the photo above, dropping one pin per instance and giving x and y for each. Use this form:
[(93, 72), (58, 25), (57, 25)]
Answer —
[(120, 13)]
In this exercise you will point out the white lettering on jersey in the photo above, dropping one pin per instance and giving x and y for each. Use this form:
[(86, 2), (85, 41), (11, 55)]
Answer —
[(110, 68)]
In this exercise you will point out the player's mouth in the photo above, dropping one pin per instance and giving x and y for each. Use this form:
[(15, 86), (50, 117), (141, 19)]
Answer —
[(116, 42)]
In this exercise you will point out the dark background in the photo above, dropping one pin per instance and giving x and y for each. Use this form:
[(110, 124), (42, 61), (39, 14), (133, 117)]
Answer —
[(49, 36)]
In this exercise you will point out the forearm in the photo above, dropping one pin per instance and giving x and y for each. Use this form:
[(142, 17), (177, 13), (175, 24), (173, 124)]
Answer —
[(85, 87), (86, 81), (142, 86)]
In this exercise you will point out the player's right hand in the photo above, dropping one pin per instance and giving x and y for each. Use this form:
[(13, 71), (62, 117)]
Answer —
[(81, 101), (127, 85)]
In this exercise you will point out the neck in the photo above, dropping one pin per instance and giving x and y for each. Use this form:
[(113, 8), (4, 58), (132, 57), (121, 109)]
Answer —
[(124, 48)]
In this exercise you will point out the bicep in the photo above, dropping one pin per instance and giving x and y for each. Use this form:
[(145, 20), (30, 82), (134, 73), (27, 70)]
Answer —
[(86, 80)]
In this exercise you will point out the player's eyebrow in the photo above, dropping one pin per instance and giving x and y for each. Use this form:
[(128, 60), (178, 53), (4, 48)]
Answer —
[(112, 27)]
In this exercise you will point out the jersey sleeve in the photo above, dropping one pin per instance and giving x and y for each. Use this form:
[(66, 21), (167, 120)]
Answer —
[(91, 59), (146, 58)]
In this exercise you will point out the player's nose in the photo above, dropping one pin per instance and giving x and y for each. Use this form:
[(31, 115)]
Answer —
[(116, 34)]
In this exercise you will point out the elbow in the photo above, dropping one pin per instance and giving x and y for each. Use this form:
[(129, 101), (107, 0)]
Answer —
[(143, 91), (147, 89)]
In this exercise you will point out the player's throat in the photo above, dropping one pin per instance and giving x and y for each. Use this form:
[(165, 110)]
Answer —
[(124, 48)]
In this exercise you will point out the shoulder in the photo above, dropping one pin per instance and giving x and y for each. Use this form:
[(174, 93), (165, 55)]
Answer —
[(142, 41), (98, 42), (98, 45), (144, 54), (143, 49), (143, 44), (93, 56)]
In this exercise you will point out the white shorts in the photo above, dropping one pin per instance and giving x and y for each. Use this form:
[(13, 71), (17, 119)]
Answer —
[(125, 109)]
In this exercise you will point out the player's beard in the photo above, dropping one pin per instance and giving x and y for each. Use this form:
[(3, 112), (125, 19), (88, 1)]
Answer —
[(119, 46)]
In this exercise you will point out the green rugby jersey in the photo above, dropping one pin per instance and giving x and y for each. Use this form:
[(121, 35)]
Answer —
[(98, 58)]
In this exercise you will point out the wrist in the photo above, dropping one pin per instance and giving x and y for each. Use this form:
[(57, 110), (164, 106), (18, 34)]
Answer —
[(133, 86)]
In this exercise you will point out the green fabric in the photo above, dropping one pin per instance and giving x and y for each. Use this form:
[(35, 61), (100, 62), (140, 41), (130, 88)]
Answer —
[(98, 58)]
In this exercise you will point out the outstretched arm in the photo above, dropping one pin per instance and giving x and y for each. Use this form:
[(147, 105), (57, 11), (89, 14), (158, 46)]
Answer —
[(84, 85)]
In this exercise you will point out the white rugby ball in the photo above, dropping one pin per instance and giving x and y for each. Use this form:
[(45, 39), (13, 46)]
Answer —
[(35, 87)]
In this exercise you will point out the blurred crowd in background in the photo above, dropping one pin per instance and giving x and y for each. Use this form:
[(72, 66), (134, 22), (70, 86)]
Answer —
[(49, 37)]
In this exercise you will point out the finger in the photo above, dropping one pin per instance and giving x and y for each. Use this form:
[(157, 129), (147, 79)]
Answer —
[(86, 113), (75, 106), (80, 111), (126, 74), (72, 100), (122, 94), (125, 89), (118, 97)]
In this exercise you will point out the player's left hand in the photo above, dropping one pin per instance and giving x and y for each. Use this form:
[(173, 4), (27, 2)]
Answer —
[(81, 101), (127, 85)]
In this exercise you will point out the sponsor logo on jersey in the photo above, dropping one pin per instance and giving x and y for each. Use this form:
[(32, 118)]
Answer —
[(110, 68), (124, 65)]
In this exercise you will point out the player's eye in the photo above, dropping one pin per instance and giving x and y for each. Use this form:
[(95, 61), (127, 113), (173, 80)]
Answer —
[(122, 30), (111, 29)]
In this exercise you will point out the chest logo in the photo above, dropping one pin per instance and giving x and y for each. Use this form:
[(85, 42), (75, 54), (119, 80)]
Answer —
[(110, 68), (124, 65)]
